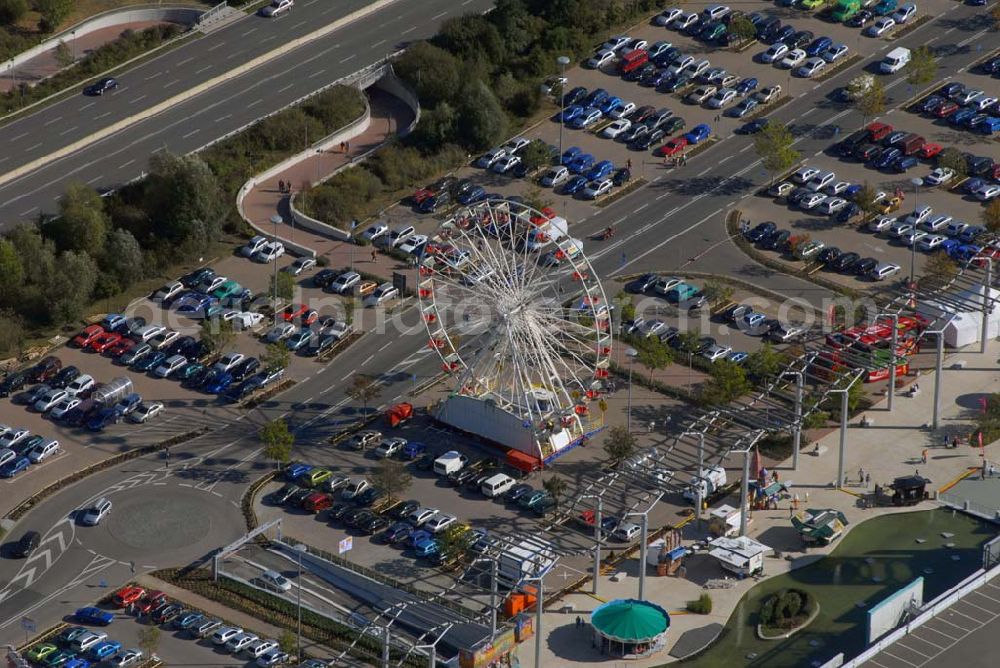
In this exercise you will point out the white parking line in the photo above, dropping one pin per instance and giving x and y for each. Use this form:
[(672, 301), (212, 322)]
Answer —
[(123, 166)]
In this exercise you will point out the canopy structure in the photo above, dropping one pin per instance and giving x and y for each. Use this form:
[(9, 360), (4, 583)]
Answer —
[(630, 629), (819, 526)]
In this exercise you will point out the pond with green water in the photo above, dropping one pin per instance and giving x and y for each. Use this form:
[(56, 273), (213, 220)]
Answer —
[(872, 561)]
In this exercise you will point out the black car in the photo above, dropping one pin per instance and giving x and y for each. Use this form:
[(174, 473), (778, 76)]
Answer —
[(339, 510), (101, 86), (372, 523), (861, 19), (398, 532), (828, 255), (544, 506), (675, 84), (462, 187), (23, 548), (192, 279), (642, 113), (404, 508), (475, 483), (978, 165), (461, 476), (179, 344), (66, 376), (776, 241), (195, 350), (245, 368), (952, 89), (672, 125), (516, 492), (431, 204), (279, 496), (30, 396), (165, 613), (929, 104), (295, 500), (867, 152), (647, 140), (800, 39), (621, 176), (850, 211), (643, 283), (651, 78), (782, 34), (864, 267), (370, 497), (767, 26), (845, 262), (754, 126), (761, 230), (426, 462), (668, 57), (574, 95), (324, 277), (355, 517), (12, 382), (639, 72), (991, 66), (798, 195), (79, 415)]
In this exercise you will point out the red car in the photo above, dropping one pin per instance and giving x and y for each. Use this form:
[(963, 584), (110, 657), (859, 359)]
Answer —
[(672, 147), (308, 318), (878, 131), (122, 347), (150, 601), (548, 213), (105, 341), (126, 596), (294, 311), (929, 150), (87, 336), (947, 109)]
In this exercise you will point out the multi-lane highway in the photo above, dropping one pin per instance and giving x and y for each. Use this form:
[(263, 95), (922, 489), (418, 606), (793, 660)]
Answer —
[(193, 123)]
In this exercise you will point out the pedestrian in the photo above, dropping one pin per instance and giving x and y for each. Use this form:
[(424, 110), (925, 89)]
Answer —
[(281, 185), (992, 469), (347, 147), (652, 426), (946, 441), (916, 473), (923, 456), (868, 480), (774, 476), (579, 622), (373, 255), (341, 147), (628, 164), (861, 475), (795, 502), (954, 442), (836, 130)]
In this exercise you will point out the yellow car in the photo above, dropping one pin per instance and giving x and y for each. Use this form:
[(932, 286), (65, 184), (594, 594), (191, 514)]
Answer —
[(316, 477), (365, 288), (39, 652), (889, 204)]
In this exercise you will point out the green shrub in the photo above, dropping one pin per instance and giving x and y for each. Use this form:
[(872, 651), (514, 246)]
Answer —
[(701, 606)]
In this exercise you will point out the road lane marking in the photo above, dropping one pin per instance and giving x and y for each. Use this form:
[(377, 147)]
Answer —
[(153, 76), (168, 85), (25, 213), (316, 74), (378, 43), (106, 113), (87, 106), (186, 60), (437, 16), (344, 60), (126, 164), (23, 134), (95, 179), (222, 118), (141, 97), (193, 132), (408, 30), (202, 69), (235, 53), (253, 30), (33, 147), (282, 90), (255, 102), (51, 121), (213, 48), (704, 171)]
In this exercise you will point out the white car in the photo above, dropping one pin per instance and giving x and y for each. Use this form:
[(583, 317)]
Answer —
[(812, 201), (300, 265), (595, 189), (769, 93), (931, 242), (225, 634), (63, 407), (126, 659), (616, 43), (626, 532), (145, 412), (229, 361), (666, 284), (164, 339), (774, 53), (243, 319), (820, 181), (515, 145), (716, 353), (382, 294), (505, 164), (881, 224), (956, 228), (685, 21), (253, 246), (884, 271), (43, 450), (49, 400), (420, 516), (7, 455), (811, 67), (939, 176), (439, 522), (919, 215), (12, 437), (987, 192), (882, 25), (936, 224), (338, 330), (667, 16), (601, 58), (983, 103), (782, 189), (277, 7), (610, 132), (700, 94), (834, 53), (279, 332), (912, 237), (275, 657), (793, 58), (270, 252), (624, 109), (258, 648), (92, 516), (413, 245), (724, 97), (85, 641), (389, 447), (558, 175), (81, 385), (345, 282), (832, 205), (805, 174), (145, 334), (487, 159), (899, 228), (837, 188), (680, 65), (240, 641), (210, 284), (353, 489), (715, 12), (374, 231), (168, 292), (170, 366), (904, 13)]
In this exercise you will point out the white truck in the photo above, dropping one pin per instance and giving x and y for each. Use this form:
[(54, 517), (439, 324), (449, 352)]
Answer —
[(552, 230), (526, 559), (895, 60), (711, 481)]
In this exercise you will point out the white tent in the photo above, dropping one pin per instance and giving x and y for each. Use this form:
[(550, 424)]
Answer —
[(966, 325)]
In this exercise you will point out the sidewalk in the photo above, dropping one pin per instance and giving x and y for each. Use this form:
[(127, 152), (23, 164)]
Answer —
[(44, 65), (388, 114), (891, 447)]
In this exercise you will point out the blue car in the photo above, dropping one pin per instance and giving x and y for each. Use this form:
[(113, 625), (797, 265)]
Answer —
[(105, 650), (425, 547), (818, 46), (472, 195), (14, 466), (101, 419), (419, 534), (429, 205), (128, 404), (93, 616), (149, 362), (77, 662), (569, 155), (738, 357), (397, 533), (600, 170), (852, 190), (848, 212), (904, 163), (973, 185), (608, 105), (581, 163), (293, 471), (570, 112), (746, 85), (575, 185), (219, 383), (950, 245), (961, 116), (596, 96), (887, 158), (698, 133)]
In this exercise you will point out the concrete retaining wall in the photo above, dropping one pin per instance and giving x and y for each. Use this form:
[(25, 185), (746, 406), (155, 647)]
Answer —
[(172, 14)]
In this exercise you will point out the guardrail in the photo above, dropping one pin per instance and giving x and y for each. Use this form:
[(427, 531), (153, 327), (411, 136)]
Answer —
[(959, 502)]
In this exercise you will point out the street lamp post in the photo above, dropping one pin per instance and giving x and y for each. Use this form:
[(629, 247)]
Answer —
[(432, 647), (563, 62), (917, 182), (631, 353), (597, 539), (698, 500), (643, 539), (300, 548), (892, 358), (797, 429), (276, 219)]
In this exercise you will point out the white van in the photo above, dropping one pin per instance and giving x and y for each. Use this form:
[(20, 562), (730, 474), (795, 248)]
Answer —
[(895, 60), (275, 580), (450, 462), (496, 485)]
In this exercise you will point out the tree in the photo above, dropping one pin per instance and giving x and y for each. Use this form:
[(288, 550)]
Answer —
[(940, 266), (183, 200), (922, 67), (364, 388), (535, 155), (287, 642), (859, 85), (535, 198), (689, 341), (52, 13), (743, 29), (11, 272), (952, 158), (392, 478), (286, 285), (764, 362), (872, 103), (774, 147), (278, 441), (64, 55), (727, 382), (619, 444), (991, 216), (866, 201), (482, 119), (555, 486), (67, 289), (82, 224), (11, 333), (122, 258), (717, 293), (217, 334), (995, 15), (431, 72), (148, 640), (12, 11), (276, 356), (655, 355)]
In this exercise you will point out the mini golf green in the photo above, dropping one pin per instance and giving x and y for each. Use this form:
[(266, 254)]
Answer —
[(884, 549)]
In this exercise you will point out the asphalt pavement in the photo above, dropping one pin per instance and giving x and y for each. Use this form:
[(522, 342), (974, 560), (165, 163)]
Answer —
[(222, 109)]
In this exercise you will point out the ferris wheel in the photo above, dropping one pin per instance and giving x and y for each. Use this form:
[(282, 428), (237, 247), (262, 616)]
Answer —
[(519, 319)]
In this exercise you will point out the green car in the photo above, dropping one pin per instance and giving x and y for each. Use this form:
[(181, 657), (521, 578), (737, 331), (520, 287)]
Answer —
[(39, 652), (189, 371), (228, 289), (673, 125), (716, 32), (57, 659), (811, 4), (316, 477), (69, 635), (529, 501)]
